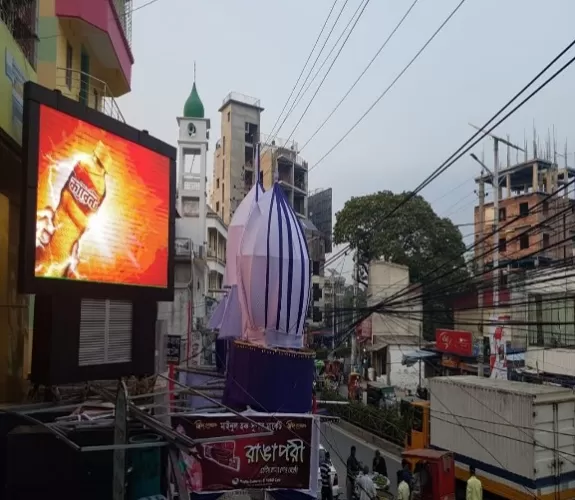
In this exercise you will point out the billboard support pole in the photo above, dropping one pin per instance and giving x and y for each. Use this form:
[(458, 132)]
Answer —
[(120, 440)]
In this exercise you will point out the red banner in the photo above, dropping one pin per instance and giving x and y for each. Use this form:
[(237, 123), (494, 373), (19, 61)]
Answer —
[(281, 460), (454, 342)]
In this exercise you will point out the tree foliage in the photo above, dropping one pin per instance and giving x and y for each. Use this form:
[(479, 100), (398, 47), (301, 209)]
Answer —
[(415, 236)]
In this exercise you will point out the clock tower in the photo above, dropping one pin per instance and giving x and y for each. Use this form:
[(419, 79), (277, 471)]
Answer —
[(192, 153)]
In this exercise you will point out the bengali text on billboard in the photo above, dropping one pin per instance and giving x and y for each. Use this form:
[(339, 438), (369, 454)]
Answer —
[(280, 460), (103, 205), (454, 342)]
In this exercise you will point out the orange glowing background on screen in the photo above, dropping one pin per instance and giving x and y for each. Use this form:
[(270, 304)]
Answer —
[(103, 206)]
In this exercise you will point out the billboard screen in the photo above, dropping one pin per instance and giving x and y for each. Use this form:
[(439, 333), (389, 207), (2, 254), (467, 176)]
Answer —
[(100, 204), (240, 458)]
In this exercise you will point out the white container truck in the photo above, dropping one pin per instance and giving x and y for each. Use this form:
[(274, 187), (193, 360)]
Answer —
[(520, 437)]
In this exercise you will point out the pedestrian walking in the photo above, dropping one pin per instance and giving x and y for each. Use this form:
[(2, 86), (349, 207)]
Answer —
[(325, 471), (379, 464), (366, 486), (474, 489), (403, 490), (353, 469)]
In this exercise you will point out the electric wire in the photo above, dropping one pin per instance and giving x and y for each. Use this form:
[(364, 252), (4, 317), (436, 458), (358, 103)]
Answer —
[(305, 66), (384, 93), (486, 128), (274, 136), (361, 75)]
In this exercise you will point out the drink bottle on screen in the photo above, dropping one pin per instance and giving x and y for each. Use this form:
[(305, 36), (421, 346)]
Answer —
[(80, 198)]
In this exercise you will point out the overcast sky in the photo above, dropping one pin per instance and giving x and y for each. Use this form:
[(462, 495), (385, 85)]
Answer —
[(487, 52)]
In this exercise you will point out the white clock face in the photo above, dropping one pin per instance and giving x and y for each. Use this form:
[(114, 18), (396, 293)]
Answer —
[(191, 130)]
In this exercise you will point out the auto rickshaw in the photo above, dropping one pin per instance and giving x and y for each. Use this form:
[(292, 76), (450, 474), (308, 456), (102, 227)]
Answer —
[(354, 386), (437, 472)]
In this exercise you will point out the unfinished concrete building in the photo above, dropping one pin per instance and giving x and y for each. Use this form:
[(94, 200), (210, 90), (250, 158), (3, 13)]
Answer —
[(234, 173), (280, 158), (524, 203)]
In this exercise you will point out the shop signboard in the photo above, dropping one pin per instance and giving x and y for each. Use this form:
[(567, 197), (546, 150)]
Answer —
[(449, 361), (498, 346), (457, 342), (173, 349), (100, 203), (281, 460)]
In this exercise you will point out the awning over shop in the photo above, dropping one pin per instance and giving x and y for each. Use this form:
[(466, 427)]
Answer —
[(413, 357)]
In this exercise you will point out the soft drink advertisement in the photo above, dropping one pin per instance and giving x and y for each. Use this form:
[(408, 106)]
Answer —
[(278, 461), (103, 206), (454, 342)]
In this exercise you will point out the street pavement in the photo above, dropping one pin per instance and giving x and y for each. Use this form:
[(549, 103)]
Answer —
[(338, 442)]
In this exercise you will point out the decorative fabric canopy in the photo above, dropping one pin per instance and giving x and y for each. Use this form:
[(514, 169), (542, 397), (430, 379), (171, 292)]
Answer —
[(269, 380), (236, 231), (218, 314), (227, 318), (231, 322), (273, 271)]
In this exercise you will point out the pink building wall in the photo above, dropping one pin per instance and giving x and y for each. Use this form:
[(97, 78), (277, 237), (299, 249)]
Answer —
[(102, 15)]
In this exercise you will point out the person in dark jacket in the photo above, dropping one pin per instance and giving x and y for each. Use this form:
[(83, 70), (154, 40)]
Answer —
[(353, 468), (379, 464)]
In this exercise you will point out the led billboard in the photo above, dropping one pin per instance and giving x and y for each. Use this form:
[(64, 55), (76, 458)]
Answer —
[(100, 200)]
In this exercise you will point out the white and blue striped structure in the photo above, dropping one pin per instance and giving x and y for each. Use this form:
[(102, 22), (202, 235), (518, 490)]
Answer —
[(273, 270), (227, 316)]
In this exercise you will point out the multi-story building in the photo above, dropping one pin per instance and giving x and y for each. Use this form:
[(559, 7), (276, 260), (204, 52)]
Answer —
[(19, 47), (280, 160), (216, 254), (320, 210), (543, 320), (394, 334), (316, 248), (524, 203), (85, 50), (234, 155), (333, 298)]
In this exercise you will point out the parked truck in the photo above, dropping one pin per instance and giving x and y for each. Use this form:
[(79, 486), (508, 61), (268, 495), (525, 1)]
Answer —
[(519, 437)]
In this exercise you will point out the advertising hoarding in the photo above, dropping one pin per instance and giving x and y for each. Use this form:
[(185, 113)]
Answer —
[(456, 342), (100, 203), (498, 346), (282, 460), (173, 349)]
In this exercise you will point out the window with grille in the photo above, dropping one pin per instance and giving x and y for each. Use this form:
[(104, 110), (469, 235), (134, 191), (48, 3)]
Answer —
[(105, 332)]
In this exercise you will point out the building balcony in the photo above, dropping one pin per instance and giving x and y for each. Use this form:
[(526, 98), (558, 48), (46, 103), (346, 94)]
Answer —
[(215, 281), (215, 262), (89, 90), (212, 254), (104, 26), (20, 20)]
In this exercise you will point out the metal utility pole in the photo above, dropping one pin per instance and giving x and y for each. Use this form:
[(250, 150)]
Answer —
[(420, 336), (496, 185), (480, 261), (496, 192), (333, 314), (355, 314)]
